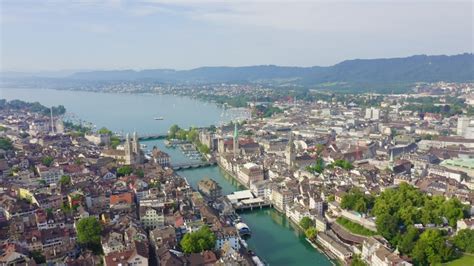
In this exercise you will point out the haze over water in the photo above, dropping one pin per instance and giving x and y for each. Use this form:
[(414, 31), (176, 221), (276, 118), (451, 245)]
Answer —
[(125, 112)]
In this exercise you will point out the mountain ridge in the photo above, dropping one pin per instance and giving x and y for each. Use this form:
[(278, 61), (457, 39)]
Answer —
[(416, 68)]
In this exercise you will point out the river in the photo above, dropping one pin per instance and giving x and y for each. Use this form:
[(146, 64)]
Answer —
[(273, 238)]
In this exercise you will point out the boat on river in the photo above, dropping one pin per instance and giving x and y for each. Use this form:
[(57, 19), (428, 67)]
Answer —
[(243, 229), (159, 118)]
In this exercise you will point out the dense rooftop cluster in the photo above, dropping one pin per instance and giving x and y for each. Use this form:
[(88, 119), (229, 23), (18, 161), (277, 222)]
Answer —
[(370, 179)]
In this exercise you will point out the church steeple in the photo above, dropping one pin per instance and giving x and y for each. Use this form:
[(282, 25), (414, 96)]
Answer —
[(236, 140), (391, 163), (136, 144), (290, 152)]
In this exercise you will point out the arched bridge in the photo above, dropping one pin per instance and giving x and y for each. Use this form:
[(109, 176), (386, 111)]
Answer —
[(150, 136), (180, 166)]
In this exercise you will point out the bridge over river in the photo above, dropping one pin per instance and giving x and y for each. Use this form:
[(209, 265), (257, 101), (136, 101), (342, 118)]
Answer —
[(189, 165), (150, 136)]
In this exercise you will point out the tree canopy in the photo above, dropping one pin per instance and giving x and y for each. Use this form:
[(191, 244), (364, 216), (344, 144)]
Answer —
[(411, 206), (398, 210), (6, 144), (344, 164), (65, 180), (124, 170), (200, 240), (306, 222), (431, 248), (47, 160), (317, 167), (311, 233), (358, 201), (88, 233), (464, 240)]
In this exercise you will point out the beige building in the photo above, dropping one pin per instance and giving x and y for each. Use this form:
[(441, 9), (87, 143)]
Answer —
[(281, 198), (250, 173)]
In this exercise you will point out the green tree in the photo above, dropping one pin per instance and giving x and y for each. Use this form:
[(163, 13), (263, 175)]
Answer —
[(139, 172), (306, 222), (203, 148), (124, 170), (88, 233), (409, 215), (65, 180), (344, 164), (195, 242), (464, 240), (6, 144), (311, 233), (104, 131), (47, 160), (453, 210), (431, 248), (357, 261), (387, 225), (38, 257), (407, 241), (172, 131), (192, 135), (331, 198), (317, 167), (357, 200), (114, 141)]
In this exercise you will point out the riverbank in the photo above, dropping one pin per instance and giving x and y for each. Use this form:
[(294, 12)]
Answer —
[(326, 253)]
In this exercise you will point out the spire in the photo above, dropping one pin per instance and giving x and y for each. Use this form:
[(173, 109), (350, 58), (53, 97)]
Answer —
[(291, 145), (290, 151), (52, 120), (236, 131), (236, 139), (391, 160)]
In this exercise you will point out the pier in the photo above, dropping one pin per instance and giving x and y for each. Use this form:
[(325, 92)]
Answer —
[(251, 204)]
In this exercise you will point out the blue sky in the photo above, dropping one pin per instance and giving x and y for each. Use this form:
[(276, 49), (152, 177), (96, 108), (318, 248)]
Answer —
[(183, 34)]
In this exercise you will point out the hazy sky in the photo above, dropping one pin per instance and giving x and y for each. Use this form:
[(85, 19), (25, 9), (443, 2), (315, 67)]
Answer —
[(73, 34)]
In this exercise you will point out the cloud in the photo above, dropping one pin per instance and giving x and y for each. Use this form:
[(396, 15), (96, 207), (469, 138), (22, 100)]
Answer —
[(310, 16)]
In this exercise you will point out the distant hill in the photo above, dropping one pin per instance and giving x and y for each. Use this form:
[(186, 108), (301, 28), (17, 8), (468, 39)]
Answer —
[(418, 68)]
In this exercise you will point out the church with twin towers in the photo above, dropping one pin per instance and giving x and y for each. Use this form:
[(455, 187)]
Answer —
[(133, 152)]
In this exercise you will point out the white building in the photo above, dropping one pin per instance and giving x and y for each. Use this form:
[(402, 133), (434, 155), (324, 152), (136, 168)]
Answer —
[(152, 218), (261, 189), (375, 253), (227, 235), (281, 198), (372, 113), (465, 127), (50, 175), (338, 249), (98, 139)]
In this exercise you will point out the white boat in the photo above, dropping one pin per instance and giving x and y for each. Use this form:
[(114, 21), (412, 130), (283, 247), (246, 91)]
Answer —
[(159, 118), (243, 229)]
